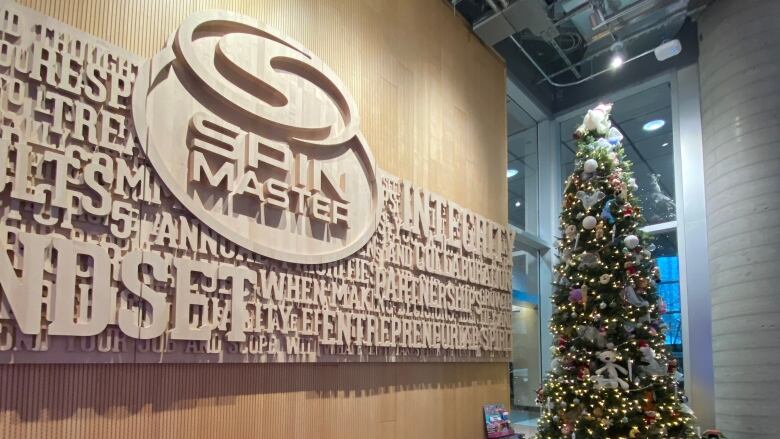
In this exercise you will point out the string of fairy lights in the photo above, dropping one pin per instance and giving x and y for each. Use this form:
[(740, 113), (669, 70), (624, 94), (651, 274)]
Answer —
[(611, 375)]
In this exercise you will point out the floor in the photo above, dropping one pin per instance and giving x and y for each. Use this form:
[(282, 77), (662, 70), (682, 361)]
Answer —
[(524, 421)]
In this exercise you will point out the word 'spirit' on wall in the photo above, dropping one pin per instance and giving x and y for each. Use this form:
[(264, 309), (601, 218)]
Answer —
[(219, 203)]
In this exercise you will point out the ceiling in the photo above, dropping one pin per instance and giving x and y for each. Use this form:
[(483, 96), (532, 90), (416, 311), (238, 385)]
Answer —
[(651, 152), (566, 41)]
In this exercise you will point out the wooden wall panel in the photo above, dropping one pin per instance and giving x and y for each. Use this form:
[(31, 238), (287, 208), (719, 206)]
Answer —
[(431, 96), (432, 104), (243, 401)]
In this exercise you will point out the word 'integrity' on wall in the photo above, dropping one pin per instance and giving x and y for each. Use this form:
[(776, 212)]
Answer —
[(218, 202)]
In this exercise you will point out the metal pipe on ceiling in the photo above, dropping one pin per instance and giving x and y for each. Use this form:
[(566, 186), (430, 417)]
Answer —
[(625, 11), (565, 58), (626, 39), (610, 32), (552, 42), (573, 13), (580, 81), (493, 6)]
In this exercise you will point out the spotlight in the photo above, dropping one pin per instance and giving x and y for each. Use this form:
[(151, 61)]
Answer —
[(511, 172), (618, 55), (616, 61)]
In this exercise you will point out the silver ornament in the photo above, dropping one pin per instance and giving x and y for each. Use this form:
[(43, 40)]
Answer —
[(590, 166)]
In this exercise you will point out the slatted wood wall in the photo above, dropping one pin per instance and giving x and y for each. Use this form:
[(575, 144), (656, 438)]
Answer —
[(430, 95), (431, 99), (247, 401)]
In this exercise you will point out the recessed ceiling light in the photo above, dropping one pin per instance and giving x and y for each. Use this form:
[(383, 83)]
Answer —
[(518, 204), (665, 144), (654, 125), (511, 173)]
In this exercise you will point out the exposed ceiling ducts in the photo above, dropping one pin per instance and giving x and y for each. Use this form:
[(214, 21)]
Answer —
[(568, 42), (520, 15)]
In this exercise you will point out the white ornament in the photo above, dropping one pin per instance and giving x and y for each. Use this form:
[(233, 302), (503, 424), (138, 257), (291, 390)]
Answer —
[(609, 375), (597, 119), (602, 305), (605, 278), (590, 166), (589, 222), (604, 143), (631, 241), (653, 367), (588, 200), (629, 295), (632, 184), (588, 260), (615, 136)]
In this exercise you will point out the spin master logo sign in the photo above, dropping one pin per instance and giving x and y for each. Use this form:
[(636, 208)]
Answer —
[(258, 139)]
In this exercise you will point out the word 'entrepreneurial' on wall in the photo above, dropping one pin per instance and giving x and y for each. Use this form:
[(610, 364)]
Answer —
[(218, 202)]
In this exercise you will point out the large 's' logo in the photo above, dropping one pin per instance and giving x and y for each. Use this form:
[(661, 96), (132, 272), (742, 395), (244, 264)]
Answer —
[(258, 139)]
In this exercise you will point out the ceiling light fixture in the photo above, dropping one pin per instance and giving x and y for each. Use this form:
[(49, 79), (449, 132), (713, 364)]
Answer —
[(662, 53), (665, 144), (667, 50), (518, 203), (618, 55), (511, 172), (654, 125), (616, 61)]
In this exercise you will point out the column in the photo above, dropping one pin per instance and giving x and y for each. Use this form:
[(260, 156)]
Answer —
[(740, 102)]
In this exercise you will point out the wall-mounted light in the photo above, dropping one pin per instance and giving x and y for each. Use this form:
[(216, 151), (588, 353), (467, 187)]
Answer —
[(654, 124), (518, 203), (511, 172), (664, 145)]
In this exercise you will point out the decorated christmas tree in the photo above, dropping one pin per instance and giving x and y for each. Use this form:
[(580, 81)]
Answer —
[(611, 375)]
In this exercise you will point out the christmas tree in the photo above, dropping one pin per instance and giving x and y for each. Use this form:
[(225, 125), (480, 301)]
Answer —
[(611, 376)]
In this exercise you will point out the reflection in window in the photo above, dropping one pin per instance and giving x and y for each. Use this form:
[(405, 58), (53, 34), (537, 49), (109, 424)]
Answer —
[(522, 169), (669, 289), (645, 119), (525, 368), (523, 206)]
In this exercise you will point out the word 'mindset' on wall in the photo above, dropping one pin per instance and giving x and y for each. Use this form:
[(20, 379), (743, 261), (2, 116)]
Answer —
[(219, 203)]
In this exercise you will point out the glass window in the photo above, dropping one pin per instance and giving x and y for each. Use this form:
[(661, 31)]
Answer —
[(645, 119), (522, 169), (523, 207), (525, 367), (669, 289)]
